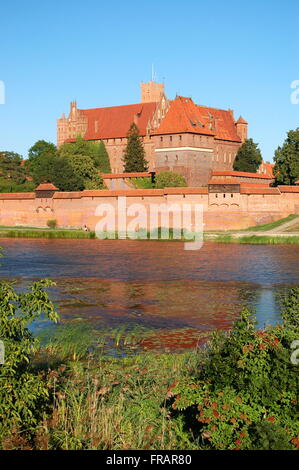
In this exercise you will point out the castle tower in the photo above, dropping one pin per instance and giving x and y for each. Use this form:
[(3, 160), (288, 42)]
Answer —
[(151, 92), (72, 126), (242, 128)]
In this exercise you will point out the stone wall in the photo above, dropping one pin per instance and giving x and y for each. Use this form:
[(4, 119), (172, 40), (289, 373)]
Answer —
[(221, 210)]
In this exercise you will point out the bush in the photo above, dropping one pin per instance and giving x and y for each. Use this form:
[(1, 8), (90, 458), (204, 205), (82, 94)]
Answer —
[(142, 183), (169, 179), (245, 395), (52, 223), (23, 392)]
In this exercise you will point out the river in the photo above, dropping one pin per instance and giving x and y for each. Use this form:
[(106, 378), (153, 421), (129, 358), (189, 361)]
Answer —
[(156, 284)]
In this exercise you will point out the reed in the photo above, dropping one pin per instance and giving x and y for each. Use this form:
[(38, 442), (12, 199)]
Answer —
[(53, 234)]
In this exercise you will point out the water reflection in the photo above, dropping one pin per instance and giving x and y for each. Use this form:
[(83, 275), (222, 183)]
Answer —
[(156, 285)]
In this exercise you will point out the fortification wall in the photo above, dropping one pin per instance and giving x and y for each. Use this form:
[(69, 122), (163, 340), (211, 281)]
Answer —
[(221, 211)]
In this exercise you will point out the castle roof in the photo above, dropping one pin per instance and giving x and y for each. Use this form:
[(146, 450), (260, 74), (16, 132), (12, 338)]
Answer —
[(46, 187), (266, 169), (241, 174), (184, 115), (241, 121), (114, 122)]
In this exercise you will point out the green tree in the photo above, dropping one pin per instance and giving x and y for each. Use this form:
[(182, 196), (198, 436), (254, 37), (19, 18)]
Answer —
[(11, 167), (13, 176), (84, 168), (169, 179), (41, 158), (95, 150), (103, 158), (248, 158), (67, 168), (65, 177), (286, 159), (24, 395), (134, 155)]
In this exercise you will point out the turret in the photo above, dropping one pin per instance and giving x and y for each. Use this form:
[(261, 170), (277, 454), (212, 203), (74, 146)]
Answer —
[(242, 128)]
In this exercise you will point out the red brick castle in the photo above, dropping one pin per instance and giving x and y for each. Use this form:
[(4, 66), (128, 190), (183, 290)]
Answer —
[(178, 134)]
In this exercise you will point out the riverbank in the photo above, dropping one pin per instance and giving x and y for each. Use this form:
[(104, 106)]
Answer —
[(239, 393), (259, 238), (277, 239)]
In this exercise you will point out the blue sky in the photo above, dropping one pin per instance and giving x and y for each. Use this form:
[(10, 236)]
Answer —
[(226, 54)]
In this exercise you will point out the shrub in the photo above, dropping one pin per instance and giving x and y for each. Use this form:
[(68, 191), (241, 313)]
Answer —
[(52, 223), (168, 179), (245, 394), (142, 183), (23, 393)]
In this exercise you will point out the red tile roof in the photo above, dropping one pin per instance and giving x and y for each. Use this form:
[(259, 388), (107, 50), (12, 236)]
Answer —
[(248, 184), (114, 122), (199, 190), (224, 181), (17, 195), (289, 189), (46, 187), (67, 195), (184, 115), (125, 175), (266, 169), (243, 174), (121, 192), (241, 120), (259, 190)]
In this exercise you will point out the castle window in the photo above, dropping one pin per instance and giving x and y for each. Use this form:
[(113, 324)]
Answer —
[(223, 195), (161, 139), (231, 195), (170, 138), (180, 137)]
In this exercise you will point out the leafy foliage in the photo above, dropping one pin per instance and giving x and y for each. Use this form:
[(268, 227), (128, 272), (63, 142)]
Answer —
[(103, 158), (52, 223), (74, 167), (248, 157), (286, 168), (95, 150), (245, 394), (84, 168), (168, 179), (13, 173), (41, 161), (23, 393), (142, 183), (64, 176), (134, 155)]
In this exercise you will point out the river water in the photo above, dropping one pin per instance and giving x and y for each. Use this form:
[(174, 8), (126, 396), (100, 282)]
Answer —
[(156, 284)]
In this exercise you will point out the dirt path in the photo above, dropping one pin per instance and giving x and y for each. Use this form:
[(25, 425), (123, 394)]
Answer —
[(284, 226)]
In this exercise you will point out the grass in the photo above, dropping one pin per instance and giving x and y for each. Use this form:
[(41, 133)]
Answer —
[(257, 239), (271, 225), (78, 234), (45, 233), (115, 403)]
